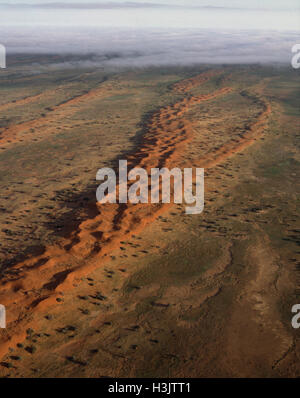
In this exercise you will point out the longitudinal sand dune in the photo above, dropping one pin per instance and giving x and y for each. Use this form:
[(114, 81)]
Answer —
[(13, 134), (57, 280), (162, 145)]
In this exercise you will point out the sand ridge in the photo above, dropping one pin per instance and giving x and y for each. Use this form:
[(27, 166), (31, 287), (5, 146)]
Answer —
[(62, 265), (15, 133)]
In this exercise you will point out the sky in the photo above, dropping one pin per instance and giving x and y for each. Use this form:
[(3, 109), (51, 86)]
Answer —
[(154, 31), (271, 4)]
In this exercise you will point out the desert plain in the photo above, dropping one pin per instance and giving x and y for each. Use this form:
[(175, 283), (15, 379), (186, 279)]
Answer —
[(145, 290)]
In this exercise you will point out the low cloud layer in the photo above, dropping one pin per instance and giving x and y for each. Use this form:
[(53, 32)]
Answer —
[(151, 35), (155, 47)]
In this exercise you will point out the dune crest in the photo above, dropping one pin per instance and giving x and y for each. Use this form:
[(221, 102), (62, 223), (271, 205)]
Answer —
[(63, 264)]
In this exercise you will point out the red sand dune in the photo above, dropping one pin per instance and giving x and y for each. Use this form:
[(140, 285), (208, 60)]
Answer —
[(88, 246), (13, 134)]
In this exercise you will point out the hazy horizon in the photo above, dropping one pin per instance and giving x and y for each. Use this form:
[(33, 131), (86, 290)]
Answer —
[(154, 31)]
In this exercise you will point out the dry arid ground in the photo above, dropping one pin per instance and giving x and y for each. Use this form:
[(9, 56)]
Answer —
[(146, 290)]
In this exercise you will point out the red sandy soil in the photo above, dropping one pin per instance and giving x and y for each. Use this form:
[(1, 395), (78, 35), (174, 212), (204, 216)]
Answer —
[(14, 133), (43, 276)]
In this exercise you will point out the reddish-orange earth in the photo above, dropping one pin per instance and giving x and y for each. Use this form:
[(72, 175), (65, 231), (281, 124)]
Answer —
[(61, 266)]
